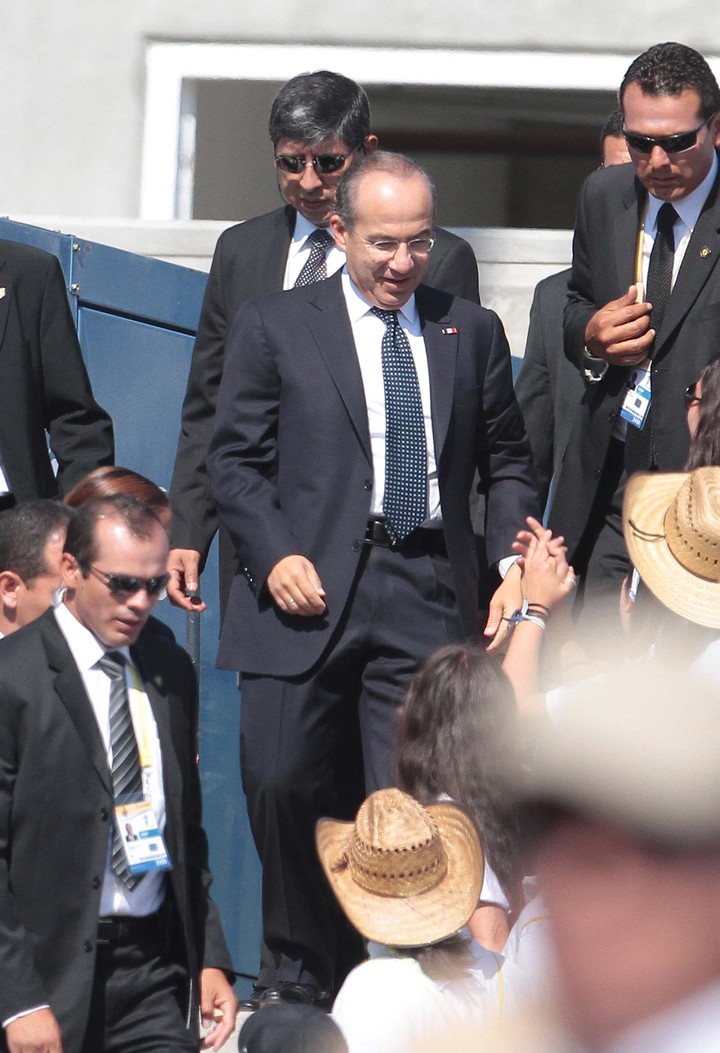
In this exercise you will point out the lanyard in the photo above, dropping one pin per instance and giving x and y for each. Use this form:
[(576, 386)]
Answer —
[(640, 244), (144, 731)]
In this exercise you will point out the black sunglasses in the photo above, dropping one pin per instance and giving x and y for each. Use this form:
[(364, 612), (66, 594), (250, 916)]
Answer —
[(690, 396), (671, 144), (124, 585), (325, 164)]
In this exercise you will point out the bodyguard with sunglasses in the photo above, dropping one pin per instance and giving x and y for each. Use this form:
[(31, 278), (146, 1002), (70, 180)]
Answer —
[(319, 126), (108, 937), (643, 316)]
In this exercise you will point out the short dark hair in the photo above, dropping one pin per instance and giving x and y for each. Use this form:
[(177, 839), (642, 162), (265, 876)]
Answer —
[(381, 161), (112, 479), (613, 127), (81, 541), (25, 532), (321, 105), (670, 68)]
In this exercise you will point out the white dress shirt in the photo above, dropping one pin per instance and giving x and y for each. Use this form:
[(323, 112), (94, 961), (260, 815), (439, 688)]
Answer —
[(86, 649), (299, 253)]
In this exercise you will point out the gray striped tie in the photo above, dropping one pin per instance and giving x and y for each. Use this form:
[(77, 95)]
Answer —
[(126, 775)]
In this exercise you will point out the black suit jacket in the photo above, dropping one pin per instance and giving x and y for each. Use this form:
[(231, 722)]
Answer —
[(291, 467), (55, 816), (549, 387), (609, 213), (44, 386), (249, 262)]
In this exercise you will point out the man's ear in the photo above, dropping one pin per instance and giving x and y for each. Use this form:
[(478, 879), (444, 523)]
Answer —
[(370, 145), (10, 585), (339, 232), (70, 571)]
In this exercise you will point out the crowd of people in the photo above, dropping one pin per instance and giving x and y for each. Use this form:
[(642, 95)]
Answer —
[(476, 634)]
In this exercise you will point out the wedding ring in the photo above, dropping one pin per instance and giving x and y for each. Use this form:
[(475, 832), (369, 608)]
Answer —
[(571, 581), (292, 602)]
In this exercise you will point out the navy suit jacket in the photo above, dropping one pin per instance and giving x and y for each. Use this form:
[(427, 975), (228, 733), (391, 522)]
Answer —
[(249, 262), (55, 814), (291, 467), (44, 386)]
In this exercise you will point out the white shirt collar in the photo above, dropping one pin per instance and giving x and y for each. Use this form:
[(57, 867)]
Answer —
[(303, 229), (84, 646), (689, 207), (359, 305)]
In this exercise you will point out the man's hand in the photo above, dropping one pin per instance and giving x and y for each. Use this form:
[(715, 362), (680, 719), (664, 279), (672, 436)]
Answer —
[(37, 1032), (216, 997), (506, 599), (296, 588), (183, 566), (620, 331)]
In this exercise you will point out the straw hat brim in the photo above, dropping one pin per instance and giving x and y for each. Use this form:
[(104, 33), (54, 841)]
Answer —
[(410, 921), (648, 495)]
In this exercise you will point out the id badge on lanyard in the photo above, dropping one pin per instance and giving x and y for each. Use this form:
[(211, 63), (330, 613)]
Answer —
[(638, 393), (142, 842)]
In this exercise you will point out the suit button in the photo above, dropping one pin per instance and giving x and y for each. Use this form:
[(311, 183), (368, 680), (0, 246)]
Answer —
[(611, 417), (368, 484), (357, 545), (96, 882), (104, 814), (87, 946), (597, 473)]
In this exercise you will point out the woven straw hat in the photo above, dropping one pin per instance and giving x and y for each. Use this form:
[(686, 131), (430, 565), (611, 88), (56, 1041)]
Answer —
[(672, 531), (405, 875)]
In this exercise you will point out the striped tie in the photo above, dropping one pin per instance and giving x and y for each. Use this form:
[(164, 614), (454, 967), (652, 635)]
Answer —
[(126, 775)]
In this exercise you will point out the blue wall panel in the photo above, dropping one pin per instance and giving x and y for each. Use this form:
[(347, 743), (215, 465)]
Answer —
[(136, 318)]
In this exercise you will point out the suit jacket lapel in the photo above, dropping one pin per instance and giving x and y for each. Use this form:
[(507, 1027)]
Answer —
[(627, 225), (273, 253), (441, 347), (332, 333), (701, 256), (6, 288), (70, 688)]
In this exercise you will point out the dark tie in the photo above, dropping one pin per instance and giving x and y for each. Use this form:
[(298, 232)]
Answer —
[(126, 776), (315, 268), (661, 264), (639, 445), (405, 501)]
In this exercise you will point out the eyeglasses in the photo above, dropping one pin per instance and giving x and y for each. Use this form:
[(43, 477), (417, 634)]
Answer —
[(124, 585), (671, 144), (325, 164), (385, 249), (690, 397)]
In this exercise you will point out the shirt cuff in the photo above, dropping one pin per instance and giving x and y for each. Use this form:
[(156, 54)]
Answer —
[(25, 1012), (505, 564)]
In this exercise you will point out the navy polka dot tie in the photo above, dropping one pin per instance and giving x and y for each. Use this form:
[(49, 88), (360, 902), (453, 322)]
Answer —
[(405, 501), (315, 268)]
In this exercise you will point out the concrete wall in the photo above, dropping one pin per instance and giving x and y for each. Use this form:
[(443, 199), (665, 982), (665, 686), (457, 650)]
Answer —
[(73, 73)]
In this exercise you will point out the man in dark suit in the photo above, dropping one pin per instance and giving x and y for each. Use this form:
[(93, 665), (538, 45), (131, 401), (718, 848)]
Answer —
[(44, 386), (98, 723), (351, 419), (319, 125), (656, 223), (549, 387)]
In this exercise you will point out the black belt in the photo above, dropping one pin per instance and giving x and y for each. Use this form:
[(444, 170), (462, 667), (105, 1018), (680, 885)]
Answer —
[(422, 540), (131, 930), (7, 501)]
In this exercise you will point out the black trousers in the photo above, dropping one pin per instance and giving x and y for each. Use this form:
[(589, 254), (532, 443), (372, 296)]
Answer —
[(294, 732), (139, 1002)]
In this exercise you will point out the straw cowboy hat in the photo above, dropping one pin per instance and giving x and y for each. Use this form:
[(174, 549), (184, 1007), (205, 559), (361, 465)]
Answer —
[(405, 875), (672, 531)]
